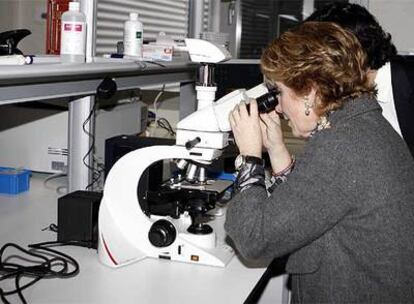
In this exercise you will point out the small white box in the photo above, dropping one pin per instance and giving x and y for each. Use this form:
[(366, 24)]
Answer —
[(156, 52)]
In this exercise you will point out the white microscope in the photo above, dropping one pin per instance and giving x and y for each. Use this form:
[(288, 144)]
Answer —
[(131, 230)]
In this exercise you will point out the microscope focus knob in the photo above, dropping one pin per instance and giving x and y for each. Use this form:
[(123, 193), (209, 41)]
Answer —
[(162, 233)]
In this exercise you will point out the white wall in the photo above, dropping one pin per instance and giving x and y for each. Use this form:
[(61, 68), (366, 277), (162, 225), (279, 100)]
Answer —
[(8, 15), (30, 17), (396, 17), (27, 14)]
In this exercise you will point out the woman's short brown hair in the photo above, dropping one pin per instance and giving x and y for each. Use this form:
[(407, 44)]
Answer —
[(321, 55)]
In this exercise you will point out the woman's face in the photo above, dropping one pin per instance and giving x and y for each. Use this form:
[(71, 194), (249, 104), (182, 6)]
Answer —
[(292, 107)]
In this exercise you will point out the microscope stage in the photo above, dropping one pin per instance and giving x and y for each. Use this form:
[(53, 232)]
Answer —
[(211, 185)]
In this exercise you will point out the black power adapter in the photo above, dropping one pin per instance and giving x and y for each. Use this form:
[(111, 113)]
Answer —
[(78, 218), (106, 89)]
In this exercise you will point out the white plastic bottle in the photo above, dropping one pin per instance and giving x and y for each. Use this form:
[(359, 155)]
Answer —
[(73, 35), (133, 36)]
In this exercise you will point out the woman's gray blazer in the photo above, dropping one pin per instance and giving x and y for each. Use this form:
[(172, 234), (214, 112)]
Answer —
[(345, 214)]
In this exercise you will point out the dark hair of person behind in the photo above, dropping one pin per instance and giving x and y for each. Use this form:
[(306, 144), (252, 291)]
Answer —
[(321, 55), (356, 18)]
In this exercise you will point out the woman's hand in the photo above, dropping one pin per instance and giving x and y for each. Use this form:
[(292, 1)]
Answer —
[(272, 137), (246, 129)]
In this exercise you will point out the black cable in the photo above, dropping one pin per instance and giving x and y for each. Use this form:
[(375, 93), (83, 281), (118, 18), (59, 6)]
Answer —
[(92, 146), (52, 227), (90, 134), (141, 64), (165, 124), (106, 89), (96, 174), (155, 63), (3, 298), (56, 266), (100, 170)]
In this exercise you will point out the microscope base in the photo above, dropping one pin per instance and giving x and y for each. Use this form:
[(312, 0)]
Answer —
[(184, 250)]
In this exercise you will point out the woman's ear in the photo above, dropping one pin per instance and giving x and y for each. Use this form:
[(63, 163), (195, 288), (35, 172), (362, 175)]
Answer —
[(313, 96), (314, 99)]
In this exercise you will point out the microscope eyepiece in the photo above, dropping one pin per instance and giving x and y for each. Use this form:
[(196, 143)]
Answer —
[(268, 102)]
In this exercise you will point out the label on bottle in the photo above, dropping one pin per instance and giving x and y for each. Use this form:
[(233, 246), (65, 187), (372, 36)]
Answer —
[(73, 40), (133, 43)]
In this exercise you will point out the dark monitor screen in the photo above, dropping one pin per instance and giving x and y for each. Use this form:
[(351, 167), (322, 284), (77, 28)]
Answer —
[(244, 74)]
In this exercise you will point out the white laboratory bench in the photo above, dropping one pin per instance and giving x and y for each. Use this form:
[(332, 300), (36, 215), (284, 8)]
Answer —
[(23, 216)]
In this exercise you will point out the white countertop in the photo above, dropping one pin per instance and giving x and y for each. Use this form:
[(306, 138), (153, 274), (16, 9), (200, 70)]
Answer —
[(149, 281)]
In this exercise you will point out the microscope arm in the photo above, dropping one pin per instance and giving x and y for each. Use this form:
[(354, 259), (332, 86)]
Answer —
[(120, 217)]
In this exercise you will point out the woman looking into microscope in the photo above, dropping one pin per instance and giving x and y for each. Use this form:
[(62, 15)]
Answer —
[(344, 209)]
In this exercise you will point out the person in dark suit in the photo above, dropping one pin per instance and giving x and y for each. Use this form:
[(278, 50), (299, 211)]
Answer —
[(392, 73)]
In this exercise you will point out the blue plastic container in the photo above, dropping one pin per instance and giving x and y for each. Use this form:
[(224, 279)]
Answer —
[(14, 181)]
